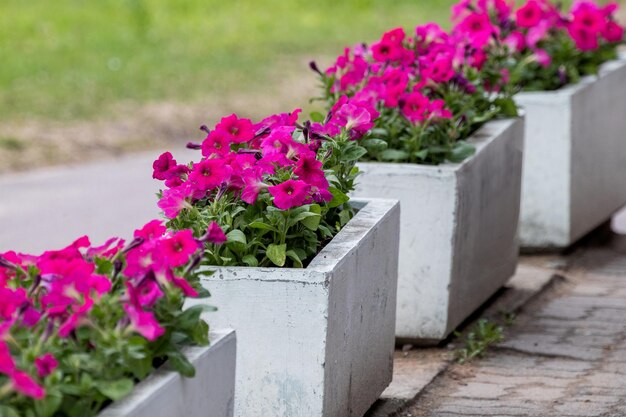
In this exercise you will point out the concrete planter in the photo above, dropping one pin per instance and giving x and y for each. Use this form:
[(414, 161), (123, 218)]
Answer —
[(316, 341), (458, 241), (574, 158), (167, 394)]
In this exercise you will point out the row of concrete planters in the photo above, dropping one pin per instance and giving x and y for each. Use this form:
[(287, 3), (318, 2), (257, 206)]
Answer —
[(574, 158), (165, 393), (316, 341), (458, 238)]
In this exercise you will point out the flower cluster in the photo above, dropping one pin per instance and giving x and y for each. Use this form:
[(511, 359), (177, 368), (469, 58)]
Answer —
[(277, 188), (78, 326), (551, 48), (432, 89)]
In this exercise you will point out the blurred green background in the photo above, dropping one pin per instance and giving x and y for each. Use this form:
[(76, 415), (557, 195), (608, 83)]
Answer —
[(67, 59)]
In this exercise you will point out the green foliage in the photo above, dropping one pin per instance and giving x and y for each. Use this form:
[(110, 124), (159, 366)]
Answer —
[(479, 339), (567, 66)]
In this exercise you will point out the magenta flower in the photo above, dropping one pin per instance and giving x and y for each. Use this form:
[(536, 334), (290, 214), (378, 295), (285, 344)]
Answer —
[(45, 365), (177, 249), (236, 130), (529, 14), (154, 229), (217, 143), (26, 385), (291, 193), (162, 165), (7, 365), (309, 170), (253, 184), (174, 200), (215, 234), (144, 323), (209, 174)]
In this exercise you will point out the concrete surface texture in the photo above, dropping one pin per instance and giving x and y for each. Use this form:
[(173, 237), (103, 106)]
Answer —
[(317, 341), (565, 355), (458, 230), (166, 393), (574, 158), (48, 209)]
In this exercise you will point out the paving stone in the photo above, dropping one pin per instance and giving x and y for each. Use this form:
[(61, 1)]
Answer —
[(412, 371), (583, 409), (481, 390)]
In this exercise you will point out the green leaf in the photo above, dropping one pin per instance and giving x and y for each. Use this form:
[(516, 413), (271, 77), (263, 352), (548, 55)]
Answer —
[(344, 217), (317, 117), (237, 235), (394, 155), (140, 367), (295, 258), (103, 266), (308, 219), (250, 260), (7, 411), (379, 132), (261, 225), (377, 145), (115, 390), (421, 154), (190, 317), (507, 106), (353, 153), (339, 197), (49, 405), (277, 254), (200, 333), (461, 151), (181, 364)]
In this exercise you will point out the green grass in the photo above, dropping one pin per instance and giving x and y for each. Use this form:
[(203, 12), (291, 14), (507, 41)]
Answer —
[(68, 59)]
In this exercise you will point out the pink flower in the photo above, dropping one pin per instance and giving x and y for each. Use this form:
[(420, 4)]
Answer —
[(24, 384), (7, 365), (353, 117), (585, 39), (291, 193), (253, 184), (45, 365), (383, 51), (162, 165), (478, 29), (174, 200), (529, 14), (515, 41), (209, 174), (215, 234), (309, 170), (236, 130), (177, 249), (216, 143), (144, 323), (542, 58), (613, 32), (154, 229)]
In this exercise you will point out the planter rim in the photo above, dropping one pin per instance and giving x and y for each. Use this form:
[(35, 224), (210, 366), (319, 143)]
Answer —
[(371, 211), (564, 93), (481, 138), (159, 379)]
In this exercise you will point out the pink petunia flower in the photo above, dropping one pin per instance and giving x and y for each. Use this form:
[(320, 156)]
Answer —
[(26, 385), (177, 249), (529, 14), (174, 200), (162, 165), (45, 365), (209, 174), (236, 130), (144, 323), (152, 230), (291, 193), (215, 234)]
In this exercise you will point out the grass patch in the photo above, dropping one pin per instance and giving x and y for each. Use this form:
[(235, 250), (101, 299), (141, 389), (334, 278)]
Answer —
[(480, 337), (11, 144), (68, 59)]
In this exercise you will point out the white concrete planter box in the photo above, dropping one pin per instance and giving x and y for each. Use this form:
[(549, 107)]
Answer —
[(317, 341), (458, 239), (574, 158), (166, 393)]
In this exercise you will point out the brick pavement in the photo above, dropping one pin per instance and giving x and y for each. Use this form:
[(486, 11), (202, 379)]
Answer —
[(564, 356)]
